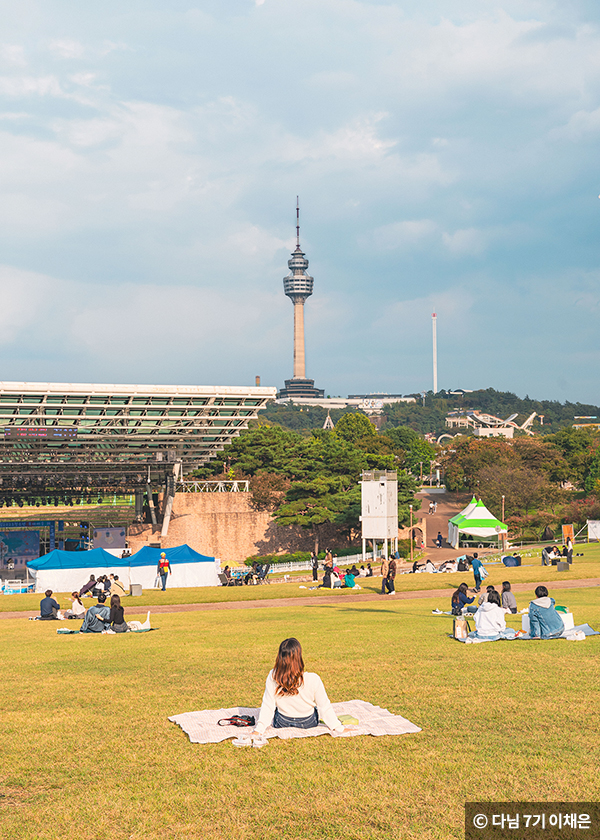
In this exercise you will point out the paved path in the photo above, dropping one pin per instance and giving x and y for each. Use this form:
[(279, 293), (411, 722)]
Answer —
[(438, 521), (320, 600)]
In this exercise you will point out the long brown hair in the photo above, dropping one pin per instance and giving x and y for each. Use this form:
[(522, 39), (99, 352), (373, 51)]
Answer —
[(115, 601), (289, 667)]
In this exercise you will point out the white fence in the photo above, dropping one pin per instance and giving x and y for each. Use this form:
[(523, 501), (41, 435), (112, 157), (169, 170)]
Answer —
[(304, 565), (196, 485)]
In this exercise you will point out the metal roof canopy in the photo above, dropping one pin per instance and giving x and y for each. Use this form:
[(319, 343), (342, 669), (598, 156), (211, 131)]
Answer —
[(129, 429)]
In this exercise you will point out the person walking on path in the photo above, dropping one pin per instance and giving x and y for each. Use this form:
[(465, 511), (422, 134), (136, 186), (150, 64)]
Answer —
[(164, 569), (385, 567), (439, 539), (314, 562), (391, 576), (477, 566)]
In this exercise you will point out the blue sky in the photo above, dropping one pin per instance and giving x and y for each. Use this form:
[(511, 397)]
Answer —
[(445, 154)]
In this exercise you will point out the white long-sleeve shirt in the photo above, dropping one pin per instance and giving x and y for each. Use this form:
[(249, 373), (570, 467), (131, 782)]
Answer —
[(311, 693)]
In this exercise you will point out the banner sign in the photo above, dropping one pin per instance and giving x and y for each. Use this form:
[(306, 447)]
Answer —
[(593, 526), (568, 531), (17, 547), (109, 538)]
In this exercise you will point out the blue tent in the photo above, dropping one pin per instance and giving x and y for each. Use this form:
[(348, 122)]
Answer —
[(97, 558), (148, 556)]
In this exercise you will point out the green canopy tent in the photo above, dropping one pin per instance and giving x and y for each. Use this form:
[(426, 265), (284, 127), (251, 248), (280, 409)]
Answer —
[(475, 521)]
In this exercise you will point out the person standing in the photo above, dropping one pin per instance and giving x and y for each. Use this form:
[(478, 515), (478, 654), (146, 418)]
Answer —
[(569, 550), (385, 567), (314, 563), (391, 577), (439, 539), (164, 569)]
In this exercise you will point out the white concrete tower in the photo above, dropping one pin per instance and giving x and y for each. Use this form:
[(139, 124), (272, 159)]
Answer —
[(434, 335), (298, 286)]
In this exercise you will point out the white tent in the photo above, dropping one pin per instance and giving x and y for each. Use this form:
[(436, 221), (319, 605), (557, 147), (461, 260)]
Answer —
[(474, 521), (188, 568), (68, 571)]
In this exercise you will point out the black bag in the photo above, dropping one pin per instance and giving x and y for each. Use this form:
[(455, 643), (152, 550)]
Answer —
[(238, 720)]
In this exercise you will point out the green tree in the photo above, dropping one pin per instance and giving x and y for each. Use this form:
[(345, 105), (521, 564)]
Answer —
[(351, 427)]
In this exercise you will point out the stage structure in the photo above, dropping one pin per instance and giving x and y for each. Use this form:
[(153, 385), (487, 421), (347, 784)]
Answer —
[(298, 286), (60, 441), (379, 510)]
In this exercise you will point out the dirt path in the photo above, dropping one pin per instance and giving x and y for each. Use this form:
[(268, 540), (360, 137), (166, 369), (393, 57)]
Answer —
[(438, 521), (320, 600)]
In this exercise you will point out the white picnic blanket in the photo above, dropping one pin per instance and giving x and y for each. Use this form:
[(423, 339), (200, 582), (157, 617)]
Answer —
[(202, 727)]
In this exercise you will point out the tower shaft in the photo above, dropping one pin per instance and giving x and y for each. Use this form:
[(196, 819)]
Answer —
[(299, 346), (434, 336)]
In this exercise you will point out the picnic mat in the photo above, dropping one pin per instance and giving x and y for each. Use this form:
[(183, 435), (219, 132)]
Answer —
[(202, 727)]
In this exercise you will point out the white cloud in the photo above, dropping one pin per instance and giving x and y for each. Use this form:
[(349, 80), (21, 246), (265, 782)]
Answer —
[(65, 48), (13, 54), (469, 241), (412, 233)]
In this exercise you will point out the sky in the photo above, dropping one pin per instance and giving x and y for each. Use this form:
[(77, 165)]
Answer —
[(445, 155)]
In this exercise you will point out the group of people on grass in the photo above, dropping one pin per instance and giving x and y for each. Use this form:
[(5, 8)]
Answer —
[(551, 554), (100, 617), (103, 585), (490, 614)]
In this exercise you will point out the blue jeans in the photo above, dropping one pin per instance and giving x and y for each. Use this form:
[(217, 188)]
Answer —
[(281, 721), (164, 582), (477, 581)]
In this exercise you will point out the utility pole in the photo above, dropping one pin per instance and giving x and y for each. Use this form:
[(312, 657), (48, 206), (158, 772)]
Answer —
[(411, 535)]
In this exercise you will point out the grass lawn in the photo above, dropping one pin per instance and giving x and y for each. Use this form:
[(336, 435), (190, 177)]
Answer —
[(88, 750), (587, 566)]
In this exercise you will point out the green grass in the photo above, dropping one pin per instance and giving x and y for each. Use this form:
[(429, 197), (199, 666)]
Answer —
[(587, 566), (88, 750)]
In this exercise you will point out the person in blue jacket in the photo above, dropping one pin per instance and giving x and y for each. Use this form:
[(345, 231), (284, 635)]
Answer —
[(477, 566), (544, 621), (460, 599)]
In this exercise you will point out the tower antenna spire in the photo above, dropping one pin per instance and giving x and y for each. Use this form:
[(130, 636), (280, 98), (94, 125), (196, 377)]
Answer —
[(297, 222)]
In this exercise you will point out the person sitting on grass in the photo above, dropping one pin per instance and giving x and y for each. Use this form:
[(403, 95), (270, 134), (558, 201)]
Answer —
[(117, 615), (326, 584), (354, 571), (349, 579), (369, 570), (544, 621), (294, 697), (490, 620), (460, 600), (117, 587), (509, 602), (87, 588), (97, 617), (484, 597), (430, 567), (77, 610), (49, 607)]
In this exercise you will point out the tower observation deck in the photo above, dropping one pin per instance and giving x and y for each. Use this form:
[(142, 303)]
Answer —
[(298, 286)]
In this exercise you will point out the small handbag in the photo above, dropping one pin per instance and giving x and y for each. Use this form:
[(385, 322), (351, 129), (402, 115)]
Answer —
[(238, 720)]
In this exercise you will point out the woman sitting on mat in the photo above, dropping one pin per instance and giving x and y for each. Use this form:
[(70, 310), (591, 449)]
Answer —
[(294, 697), (509, 602), (460, 599), (77, 610), (117, 615), (490, 620)]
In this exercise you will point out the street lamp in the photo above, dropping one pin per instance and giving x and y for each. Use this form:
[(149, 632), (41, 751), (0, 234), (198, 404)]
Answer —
[(411, 535), (503, 509)]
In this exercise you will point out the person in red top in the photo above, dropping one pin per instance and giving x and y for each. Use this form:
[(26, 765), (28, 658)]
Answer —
[(164, 569)]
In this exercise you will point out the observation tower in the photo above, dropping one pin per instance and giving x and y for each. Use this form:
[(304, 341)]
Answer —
[(298, 286)]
